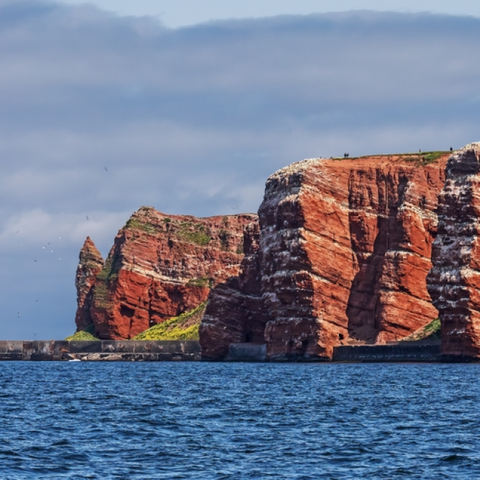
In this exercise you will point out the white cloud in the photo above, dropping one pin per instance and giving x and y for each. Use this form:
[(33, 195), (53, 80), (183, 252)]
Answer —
[(188, 12)]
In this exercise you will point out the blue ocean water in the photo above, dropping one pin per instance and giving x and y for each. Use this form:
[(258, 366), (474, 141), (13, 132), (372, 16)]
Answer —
[(79, 420)]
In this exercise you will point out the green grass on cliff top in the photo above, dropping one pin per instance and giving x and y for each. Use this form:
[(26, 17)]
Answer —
[(183, 327), (85, 334), (420, 159)]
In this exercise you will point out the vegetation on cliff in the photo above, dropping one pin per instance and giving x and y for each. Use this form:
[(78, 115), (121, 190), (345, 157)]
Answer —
[(183, 327), (194, 233), (422, 159), (428, 332), (85, 334), (103, 283)]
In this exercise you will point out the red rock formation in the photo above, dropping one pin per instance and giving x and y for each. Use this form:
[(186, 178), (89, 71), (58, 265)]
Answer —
[(454, 281), (344, 253), (340, 255), (161, 266), (90, 264), (234, 312)]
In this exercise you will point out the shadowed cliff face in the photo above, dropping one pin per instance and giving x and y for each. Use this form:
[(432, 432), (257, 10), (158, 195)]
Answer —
[(454, 281), (235, 312), (89, 266), (344, 251), (159, 267)]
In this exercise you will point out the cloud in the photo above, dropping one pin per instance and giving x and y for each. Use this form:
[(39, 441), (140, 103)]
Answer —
[(101, 114)]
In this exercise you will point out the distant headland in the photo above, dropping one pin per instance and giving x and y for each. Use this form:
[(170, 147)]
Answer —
[(345, 252)]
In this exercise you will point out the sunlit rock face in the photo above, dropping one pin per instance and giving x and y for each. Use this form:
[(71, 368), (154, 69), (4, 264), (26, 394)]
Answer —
[(160, 266), (454, 281), (340, 253), (343, 253)]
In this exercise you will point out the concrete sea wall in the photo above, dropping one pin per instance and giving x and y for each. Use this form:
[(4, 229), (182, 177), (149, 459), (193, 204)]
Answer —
[(246, 352), (189, 350), (110, 350), (400, 352)]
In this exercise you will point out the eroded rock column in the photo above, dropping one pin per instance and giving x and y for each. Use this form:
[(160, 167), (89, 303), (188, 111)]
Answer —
[(454, 281), (89, 265)]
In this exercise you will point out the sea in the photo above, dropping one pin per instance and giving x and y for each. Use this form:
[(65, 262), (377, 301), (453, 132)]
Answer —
[(182, 420)]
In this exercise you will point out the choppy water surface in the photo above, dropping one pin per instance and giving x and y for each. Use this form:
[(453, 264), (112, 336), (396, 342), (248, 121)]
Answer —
[(238, 421)]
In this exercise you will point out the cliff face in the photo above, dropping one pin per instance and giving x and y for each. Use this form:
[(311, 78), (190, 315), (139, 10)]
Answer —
[(161, 266), (90, 264), (344, 251), (235, 311), (454, 282)]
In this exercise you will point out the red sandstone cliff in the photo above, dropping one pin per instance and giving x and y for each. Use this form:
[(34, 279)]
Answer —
[(454, 281), (89, 266), (160, 266), (344, 251), (340, 254)]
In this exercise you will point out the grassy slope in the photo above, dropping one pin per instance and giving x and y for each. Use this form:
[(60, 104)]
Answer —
[(85, 334), (183, 327), (429, 332)]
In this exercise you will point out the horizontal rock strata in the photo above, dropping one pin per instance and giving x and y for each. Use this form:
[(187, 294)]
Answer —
[(344, 251)]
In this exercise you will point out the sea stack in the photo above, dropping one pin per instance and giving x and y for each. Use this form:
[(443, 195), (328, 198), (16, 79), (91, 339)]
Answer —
[(89, 266), (454, 282)]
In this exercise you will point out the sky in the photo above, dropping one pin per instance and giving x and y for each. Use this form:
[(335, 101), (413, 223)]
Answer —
[(180, 13), (108, 106)]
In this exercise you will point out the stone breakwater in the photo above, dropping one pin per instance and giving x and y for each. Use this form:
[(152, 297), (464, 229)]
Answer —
[(155, 351), (107, 350)]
